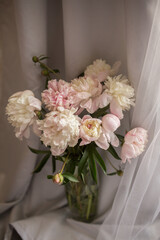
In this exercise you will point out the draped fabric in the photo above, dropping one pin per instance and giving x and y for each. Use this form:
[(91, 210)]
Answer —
[(74, 33)]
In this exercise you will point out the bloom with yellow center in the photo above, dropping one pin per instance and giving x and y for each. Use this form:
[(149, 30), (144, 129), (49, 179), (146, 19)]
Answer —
[(90, 129)]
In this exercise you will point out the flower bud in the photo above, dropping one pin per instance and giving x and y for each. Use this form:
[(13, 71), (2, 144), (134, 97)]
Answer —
[(45, 72), (35, 59), (120, 173), (58, 178)]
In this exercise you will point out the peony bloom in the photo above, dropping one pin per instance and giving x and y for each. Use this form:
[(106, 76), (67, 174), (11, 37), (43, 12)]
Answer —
[(86, 92), (59, 130), (101, 132), (57, 95), (122, 94), (100, 70), (110, 123), (21, 109), (90, 129), (134, 144)]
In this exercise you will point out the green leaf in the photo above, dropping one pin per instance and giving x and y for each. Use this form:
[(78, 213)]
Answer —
[(70, 177), (112, 151), (100, 112), (83, 161), (70, 165), (99, 159), (111, 174), (38, 151), (82, 177), (53, 164), (92, 165), (41, 164)]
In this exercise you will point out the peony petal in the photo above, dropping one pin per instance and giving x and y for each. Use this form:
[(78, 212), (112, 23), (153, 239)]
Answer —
[(116, 109), (94, 105), (127, 152), (110, 122), (35, 103), (114, 139), (86, 117), (36, 129), (104, 99), (84, 142), (102, 142), (86, 104)]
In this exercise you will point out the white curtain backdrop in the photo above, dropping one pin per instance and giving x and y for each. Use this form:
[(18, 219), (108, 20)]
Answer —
[(74, 33)]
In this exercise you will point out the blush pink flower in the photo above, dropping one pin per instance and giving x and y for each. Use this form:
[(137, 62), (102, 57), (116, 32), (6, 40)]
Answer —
[(110, 123), (99, 131), (134, 144), (85, 93), (57, 95)]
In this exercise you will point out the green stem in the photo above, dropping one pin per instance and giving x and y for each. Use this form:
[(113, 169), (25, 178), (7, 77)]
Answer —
[(48, 68), (89, 206), (112, 164), (69, 200), (64, 164)]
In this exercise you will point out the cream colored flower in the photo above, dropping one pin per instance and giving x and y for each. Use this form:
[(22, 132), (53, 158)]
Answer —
[(90, 129), (100, 70), (21, 109), (60, 129), (122, 94), (86, 89)]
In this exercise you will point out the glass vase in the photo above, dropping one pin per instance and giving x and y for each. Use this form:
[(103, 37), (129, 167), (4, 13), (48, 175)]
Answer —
[(82, 198)]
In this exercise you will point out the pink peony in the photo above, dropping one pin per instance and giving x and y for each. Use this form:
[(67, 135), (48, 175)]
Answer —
[(102, 132), (135, 141), (57, 95), (110, 123), (85, 93)]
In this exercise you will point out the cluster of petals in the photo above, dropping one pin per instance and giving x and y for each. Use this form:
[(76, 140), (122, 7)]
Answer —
[(57, 95), (134, 144), (119, 93), (99, 131), (100, 70), (86, 92), (21, 109), (60, 129)]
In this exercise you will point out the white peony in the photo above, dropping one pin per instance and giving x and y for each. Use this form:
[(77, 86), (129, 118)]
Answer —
[(60, 129), (21, 109), (122, 94), (100, 70)]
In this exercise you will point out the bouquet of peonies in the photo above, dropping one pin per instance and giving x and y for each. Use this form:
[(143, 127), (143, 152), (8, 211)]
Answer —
[(74, 118)]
